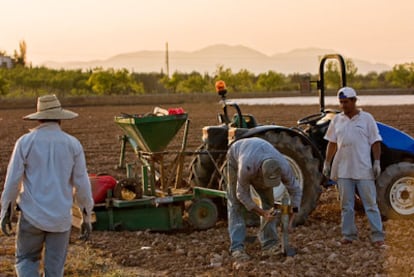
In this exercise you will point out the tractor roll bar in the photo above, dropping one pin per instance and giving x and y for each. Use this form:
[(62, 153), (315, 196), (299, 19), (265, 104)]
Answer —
[(226, 104), (321, 81)]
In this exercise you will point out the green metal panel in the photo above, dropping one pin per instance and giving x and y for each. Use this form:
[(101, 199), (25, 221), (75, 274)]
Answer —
[(147, 201), (151, 201), (151, 133), (161, 218), (200, 192)]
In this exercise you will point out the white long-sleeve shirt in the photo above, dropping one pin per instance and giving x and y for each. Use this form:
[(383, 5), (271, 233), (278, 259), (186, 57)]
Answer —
[(247, 155), (46, 167)]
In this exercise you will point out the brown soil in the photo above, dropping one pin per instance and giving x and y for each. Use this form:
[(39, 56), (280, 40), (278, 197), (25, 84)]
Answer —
[(205, 253)]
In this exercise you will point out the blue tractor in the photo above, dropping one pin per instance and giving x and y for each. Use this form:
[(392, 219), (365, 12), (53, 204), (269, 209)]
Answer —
[(304, 148), (395, 186)]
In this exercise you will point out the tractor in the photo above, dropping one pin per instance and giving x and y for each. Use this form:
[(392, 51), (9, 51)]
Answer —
[(304, 147)]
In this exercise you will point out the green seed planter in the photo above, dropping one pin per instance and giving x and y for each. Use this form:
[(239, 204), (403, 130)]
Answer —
[(151, 133)]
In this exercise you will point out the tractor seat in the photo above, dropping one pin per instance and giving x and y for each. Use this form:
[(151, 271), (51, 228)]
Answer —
[(330, 114), (248, 121)]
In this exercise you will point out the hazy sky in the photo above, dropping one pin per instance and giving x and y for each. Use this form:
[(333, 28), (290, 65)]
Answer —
[(63, 30)]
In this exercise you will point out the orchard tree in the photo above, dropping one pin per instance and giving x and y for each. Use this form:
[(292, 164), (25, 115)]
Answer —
[(194, 82), (333, 76), (20, 57), (108, 82), (4, 82), (172, 83), (243, 81), (270, 81), (402, 75), (150, 81), (227, 76)]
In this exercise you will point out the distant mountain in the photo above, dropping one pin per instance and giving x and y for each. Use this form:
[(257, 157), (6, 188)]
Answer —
[(304, 60)]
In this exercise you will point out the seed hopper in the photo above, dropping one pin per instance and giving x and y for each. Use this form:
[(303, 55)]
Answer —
[(154, 196)]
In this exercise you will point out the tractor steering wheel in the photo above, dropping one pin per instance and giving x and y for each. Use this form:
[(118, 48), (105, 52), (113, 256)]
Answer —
[(311, 119)]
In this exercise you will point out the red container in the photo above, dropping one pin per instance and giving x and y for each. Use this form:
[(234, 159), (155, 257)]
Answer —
[(100, 186), (172, 111)]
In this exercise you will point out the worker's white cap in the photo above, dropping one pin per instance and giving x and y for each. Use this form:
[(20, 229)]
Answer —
[(346, 92)]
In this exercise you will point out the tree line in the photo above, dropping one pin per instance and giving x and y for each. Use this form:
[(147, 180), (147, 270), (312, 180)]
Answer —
[(27, 81)]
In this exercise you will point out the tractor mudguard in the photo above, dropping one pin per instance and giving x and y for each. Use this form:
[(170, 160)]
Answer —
[(396, 139), (292, 131)]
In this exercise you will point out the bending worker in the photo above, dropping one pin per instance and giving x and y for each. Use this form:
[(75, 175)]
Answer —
[(255, 162)]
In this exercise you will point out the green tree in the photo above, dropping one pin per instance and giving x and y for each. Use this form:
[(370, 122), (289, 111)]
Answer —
[(108, 82), (150, 81), (243, 81), (194, 82), (227, 76), (20, 57), (172, 83), (4, 83), (351, 70), (402, 75), (270, 81), (333, 76)]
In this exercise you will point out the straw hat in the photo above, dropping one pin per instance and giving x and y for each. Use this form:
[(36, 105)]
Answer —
[(49, 107)]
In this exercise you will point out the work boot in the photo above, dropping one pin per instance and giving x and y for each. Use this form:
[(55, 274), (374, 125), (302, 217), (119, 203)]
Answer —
[(345, 241), (272, 251), (380, 244), (240, 255)]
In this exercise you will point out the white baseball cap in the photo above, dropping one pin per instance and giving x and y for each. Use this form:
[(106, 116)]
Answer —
[(346, 92)]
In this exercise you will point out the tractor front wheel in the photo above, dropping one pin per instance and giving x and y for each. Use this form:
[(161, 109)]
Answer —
[(395, 191)]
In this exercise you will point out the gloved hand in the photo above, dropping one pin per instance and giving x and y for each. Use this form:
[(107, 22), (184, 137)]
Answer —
[(269, 215), (6, 226), (376, 168), (326, 169), (86, 227)]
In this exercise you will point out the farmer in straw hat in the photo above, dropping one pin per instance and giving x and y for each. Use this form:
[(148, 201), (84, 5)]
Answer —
[(46, 166)]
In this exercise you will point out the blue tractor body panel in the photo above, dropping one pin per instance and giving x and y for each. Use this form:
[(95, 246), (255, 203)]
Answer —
[(396, 139)]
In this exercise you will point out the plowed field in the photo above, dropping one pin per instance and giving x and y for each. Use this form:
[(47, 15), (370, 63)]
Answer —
[(205, 253)]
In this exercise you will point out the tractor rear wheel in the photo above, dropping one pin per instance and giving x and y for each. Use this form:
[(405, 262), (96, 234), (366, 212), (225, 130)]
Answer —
[(395, 191), (305, 166)]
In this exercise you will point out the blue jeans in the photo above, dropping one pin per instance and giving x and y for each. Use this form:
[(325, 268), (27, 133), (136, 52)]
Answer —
[(368, 194), (29, 246), (236, 222)]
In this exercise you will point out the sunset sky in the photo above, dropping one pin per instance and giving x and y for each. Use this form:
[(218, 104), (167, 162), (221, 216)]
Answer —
[(66, 30)]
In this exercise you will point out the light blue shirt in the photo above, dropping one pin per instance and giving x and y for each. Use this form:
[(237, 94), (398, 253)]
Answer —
[(47, 168), (247, 156)]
